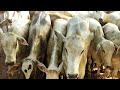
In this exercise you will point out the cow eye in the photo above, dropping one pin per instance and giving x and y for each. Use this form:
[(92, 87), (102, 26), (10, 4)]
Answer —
[(66, 50), (25, 71), (15, 45), (104, 51), (82, 51), (29, 67)]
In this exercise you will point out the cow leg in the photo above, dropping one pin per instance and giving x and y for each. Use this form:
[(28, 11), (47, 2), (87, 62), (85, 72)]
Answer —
[(107, 72), (89, 67), (101, 69), (98, 69), (98, 73), (115, 72), (97, 64)]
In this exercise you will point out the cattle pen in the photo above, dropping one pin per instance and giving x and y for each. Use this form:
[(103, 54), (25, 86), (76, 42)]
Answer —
[(59, 44)]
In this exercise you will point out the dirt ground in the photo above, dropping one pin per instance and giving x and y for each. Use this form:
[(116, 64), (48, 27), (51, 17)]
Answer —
[(3, 67)]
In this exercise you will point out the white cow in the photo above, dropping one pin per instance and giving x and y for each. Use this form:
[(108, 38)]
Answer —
[(93, 24), (11, 41), (54, 50), (76, 44)]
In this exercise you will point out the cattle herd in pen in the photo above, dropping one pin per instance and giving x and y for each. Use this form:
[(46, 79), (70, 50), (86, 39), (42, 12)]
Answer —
[(61, 44)]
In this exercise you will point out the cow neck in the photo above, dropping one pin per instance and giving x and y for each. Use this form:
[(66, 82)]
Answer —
[(35, 49), (33, 54), (54, 56)]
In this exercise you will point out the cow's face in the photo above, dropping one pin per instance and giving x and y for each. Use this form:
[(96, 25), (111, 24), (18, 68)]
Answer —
[(53, 72), (99, 16), (9, 42), (27, 68), (72, 54), (105, 52)]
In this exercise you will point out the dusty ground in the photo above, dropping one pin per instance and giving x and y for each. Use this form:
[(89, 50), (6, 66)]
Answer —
[(3, 67)]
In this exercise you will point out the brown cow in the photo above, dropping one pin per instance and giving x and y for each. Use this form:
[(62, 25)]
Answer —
[(100, 51)]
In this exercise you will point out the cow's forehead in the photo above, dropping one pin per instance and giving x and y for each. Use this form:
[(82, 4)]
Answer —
[(9, 34), (26, 64), (74, 47), (74, 41), (8, 37)]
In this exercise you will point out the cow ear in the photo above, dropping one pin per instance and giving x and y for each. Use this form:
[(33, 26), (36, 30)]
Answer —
[(97, 31), (22, 40), (13, 68), (1, 31), (60, 67), (117, 48), (3, 23), (41, 67), (60, 36)]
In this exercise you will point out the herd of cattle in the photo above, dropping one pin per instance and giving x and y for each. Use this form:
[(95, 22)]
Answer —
[(61, 44)]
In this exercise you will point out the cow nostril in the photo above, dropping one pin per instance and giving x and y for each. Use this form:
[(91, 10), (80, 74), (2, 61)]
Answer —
[(72, 76), (100, 20), (10, 63), (6, 63), (29, 67), (76, 75)]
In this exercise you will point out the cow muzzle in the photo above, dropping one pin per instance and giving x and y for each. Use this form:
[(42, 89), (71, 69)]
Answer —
[(10, 63), (101, 20), (73, 76)]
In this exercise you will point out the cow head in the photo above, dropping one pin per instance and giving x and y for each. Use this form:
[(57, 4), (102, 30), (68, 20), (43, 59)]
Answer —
[(105, 52), (53, 73), (27, 67), (9, 42), (104, 49), (73, 52), (99, 16)]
